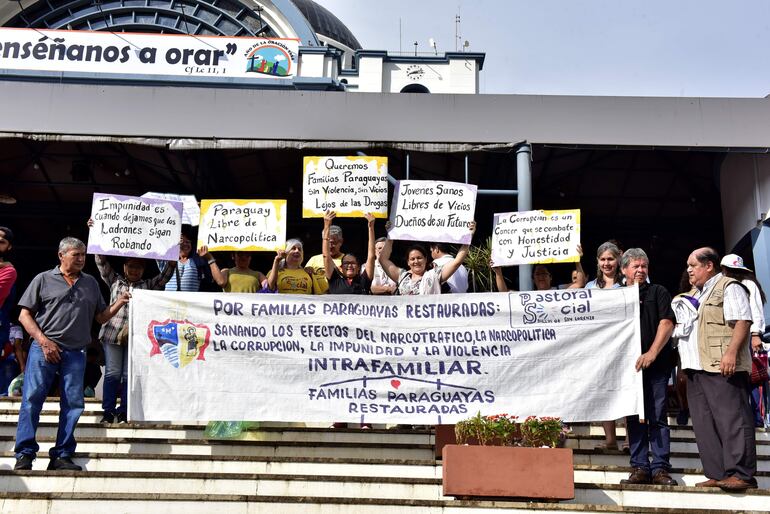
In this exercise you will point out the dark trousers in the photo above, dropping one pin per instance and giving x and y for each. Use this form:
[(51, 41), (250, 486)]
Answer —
[(654, 435), (723, 424)]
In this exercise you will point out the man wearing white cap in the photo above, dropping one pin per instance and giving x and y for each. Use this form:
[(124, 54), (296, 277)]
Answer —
[(717, 362), (733, 267)]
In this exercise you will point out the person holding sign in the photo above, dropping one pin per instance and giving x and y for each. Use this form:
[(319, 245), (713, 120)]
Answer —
[(418, 279), (114, 333), (287, 275), (381, 282), (608, 277), (350, 280), (656, 322), (239, 279)]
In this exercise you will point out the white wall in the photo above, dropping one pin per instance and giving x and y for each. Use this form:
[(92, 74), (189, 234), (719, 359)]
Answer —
[(745, 189)]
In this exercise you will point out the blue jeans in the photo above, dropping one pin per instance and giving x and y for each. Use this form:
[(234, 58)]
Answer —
[(654, 435), (38, 377), (115, 377)]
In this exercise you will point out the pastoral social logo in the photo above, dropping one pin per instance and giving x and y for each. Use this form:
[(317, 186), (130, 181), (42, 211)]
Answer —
[(556, 306), (270, 58), (180, 342)]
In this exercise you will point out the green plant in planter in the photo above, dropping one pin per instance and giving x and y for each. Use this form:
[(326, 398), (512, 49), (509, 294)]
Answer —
[(479, 271), (538, 432), (506, 430)]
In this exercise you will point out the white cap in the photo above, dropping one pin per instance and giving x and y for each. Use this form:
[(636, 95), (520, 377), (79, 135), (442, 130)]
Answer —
[(733, 261)]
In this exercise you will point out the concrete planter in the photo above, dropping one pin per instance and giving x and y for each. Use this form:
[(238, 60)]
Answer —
[(508, 472)]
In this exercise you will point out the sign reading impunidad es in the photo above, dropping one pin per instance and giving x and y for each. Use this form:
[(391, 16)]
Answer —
[(250, 225), (536, 237), (430, 210), (350, 186), (148, 54), (135, 227)]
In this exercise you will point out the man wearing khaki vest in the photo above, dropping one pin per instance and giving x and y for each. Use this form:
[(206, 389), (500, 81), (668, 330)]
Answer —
[(717, 361)]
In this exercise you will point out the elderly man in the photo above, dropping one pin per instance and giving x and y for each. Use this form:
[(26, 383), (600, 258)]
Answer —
[(717, 361), (656, 324), (316, 262), (57, 310)]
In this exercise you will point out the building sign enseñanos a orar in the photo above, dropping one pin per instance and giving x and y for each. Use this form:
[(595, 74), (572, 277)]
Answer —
[(147, 54)]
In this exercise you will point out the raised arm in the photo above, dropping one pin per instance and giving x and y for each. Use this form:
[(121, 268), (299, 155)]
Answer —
[(272, 277), (449, 268), (159, 280), (499, 278), (219, 275), (370, 253), (329, 265), (391, 270), (582, 279)]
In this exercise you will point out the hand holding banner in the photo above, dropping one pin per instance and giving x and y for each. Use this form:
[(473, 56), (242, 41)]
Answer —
[(350, 186), (536, 237), (249, 225), (128, 226), (429, 210)]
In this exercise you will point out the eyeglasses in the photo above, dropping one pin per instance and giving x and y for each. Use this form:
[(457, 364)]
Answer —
[(349, 264)]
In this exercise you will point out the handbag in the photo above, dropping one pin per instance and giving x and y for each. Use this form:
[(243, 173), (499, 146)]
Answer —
[(759, 373)]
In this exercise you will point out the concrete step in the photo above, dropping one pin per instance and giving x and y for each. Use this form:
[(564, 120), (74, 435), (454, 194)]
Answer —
[(681, 460), (251, 448), (317, 489), (76, 503), (678, 444), (267, 433), (677, 431), (227, 465)]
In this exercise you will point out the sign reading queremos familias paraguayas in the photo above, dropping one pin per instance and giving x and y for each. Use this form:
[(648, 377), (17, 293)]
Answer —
[(249, 225), (349, 186)]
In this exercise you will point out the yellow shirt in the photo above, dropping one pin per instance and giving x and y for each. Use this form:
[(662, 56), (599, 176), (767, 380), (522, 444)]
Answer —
[(242, 281), (294, 281), (319, 276)]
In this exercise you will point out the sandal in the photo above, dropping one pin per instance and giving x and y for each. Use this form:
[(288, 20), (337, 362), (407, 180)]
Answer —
[(605, 446)]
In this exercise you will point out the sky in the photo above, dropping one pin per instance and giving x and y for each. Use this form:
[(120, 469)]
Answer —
[(679, 48)]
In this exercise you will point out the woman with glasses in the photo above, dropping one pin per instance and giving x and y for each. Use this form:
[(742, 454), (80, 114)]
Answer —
[(348, 278)]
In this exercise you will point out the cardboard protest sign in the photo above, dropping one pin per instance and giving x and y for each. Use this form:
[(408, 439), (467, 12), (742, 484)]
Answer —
[(425, 359), (430, 210), (129, 226), (536, 237), (250, 225), (191, 213), (350, 186)]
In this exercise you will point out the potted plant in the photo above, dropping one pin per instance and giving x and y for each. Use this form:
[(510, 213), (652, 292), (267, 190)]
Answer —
[(500, 456)]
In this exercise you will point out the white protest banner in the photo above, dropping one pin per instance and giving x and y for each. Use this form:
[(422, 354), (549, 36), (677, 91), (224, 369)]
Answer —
[(536, 237), (420, 359), (249, 225), (350, 186), (129, 226), (148, 54), (430, 210), (191, 213)]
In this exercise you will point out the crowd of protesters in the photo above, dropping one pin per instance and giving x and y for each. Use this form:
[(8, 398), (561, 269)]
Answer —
[(707, 333)]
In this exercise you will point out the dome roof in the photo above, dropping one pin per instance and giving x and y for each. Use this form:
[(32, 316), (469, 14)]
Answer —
[(326, 24)]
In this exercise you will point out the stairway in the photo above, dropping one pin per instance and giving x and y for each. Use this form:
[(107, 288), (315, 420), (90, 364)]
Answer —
[(274, 469)]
